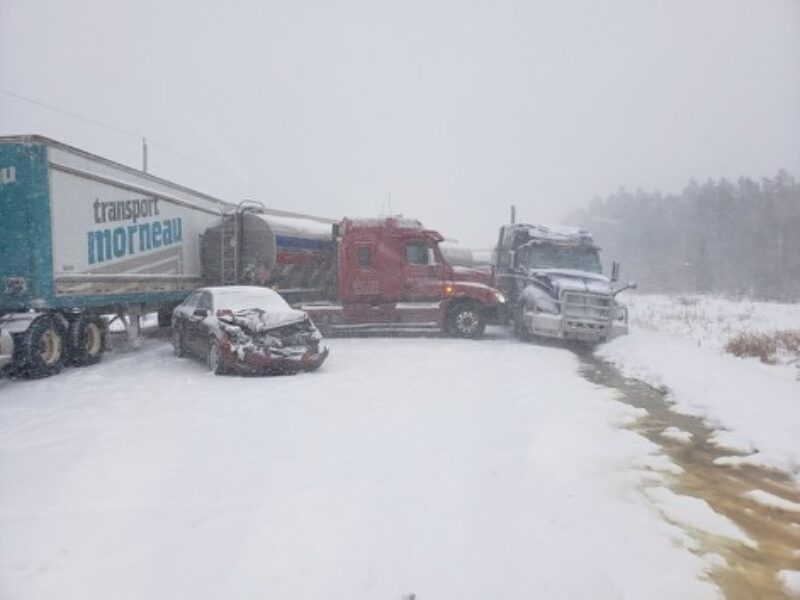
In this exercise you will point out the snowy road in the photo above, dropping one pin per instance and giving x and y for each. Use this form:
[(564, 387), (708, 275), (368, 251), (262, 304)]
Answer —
[(442, 468)]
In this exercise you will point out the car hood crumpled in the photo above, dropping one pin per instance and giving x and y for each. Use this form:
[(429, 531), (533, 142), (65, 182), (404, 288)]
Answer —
[(256, 320)]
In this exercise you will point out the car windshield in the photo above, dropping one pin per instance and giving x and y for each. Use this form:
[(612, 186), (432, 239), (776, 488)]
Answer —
[(237, 300), (562, 257)]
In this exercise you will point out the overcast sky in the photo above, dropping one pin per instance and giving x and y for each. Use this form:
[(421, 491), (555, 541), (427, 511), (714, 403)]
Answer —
[(458, 109)]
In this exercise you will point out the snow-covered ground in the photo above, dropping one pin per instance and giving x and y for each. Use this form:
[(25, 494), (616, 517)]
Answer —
[(677, 342), (435, 467)]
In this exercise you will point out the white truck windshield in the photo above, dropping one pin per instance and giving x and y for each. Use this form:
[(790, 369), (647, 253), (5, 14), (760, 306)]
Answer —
[(561, 257)]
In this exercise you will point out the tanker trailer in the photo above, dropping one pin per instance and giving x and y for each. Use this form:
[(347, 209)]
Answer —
[(291, 253)]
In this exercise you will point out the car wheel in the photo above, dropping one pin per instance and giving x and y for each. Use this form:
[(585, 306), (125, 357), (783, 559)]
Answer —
[(214, 358), (87, 337), (467, 320), (45, 348), (178, 346)]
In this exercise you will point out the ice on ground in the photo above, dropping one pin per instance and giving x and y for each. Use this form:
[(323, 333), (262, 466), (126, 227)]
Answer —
[(676, 434), (773, 501), (696, 513), (715, 560), (659, 462), (443, 468), (737, 460)]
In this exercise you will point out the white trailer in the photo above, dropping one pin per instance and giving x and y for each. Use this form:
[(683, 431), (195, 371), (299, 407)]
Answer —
[(82, 236)]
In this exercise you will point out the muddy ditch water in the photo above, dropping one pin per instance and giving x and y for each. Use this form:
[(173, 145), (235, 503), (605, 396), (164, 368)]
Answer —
[(750, 572)]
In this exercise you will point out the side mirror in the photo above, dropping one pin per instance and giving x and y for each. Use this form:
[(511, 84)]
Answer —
[(631, 285), (615, 266), (200, 312)]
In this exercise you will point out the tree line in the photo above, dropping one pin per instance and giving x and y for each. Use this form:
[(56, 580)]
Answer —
[(737, 239)]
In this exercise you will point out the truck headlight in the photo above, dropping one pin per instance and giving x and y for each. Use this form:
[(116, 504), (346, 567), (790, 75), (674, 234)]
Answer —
[(501, 299)]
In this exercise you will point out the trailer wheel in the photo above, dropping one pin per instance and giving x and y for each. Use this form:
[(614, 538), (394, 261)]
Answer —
[(165, 318), (44, 348), (214, 358), (467, 320), (87, 340)]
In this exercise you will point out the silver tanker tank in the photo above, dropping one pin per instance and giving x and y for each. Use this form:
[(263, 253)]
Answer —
[(456, 255), (291, 253)]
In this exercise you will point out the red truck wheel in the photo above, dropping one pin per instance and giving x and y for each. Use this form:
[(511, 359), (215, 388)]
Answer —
[(467, 320)]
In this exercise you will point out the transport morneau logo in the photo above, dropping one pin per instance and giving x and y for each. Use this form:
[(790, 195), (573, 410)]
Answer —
[(133, 237), (8, 175)]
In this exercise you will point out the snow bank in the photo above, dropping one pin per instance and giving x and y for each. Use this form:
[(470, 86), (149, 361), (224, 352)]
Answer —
[(754, 407), (710, 322)]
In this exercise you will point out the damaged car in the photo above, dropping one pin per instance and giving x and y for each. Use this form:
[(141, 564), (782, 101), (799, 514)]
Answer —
[(246, 329)]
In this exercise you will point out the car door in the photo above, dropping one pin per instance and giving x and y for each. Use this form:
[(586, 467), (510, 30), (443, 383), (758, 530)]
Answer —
[(183, 311), (197, 327)]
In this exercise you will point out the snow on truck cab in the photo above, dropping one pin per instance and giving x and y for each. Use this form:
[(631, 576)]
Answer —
[(553, 279), (382, 274)]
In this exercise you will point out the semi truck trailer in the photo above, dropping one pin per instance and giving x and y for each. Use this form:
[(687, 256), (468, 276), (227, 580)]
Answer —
[(82, 237)]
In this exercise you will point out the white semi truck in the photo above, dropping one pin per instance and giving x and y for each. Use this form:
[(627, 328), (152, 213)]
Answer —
[(553, 280)]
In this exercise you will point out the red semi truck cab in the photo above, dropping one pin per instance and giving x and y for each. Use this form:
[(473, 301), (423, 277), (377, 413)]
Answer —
[(391, 275)]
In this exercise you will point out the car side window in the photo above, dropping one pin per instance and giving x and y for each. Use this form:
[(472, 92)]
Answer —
[(191, 301), (204, 302)]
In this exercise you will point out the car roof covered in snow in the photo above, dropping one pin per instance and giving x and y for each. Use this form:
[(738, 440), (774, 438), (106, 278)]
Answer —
[(238, 297)]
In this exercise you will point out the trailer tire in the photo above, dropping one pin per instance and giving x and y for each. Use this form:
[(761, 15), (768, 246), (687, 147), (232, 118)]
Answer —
[(44, 348), (467, 320), (165, 318), (87, 340)]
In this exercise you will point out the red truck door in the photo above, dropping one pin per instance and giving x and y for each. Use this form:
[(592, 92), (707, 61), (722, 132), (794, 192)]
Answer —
[(369, 271), (423, 272)]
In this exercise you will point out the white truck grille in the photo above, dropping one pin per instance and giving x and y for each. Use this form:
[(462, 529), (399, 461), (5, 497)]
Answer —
[(587, 312)]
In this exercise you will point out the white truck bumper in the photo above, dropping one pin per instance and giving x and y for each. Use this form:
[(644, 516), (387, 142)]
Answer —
[(6, 348), (584, 330)]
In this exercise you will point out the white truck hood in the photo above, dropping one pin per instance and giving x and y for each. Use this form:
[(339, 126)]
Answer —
[(573, 280)]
